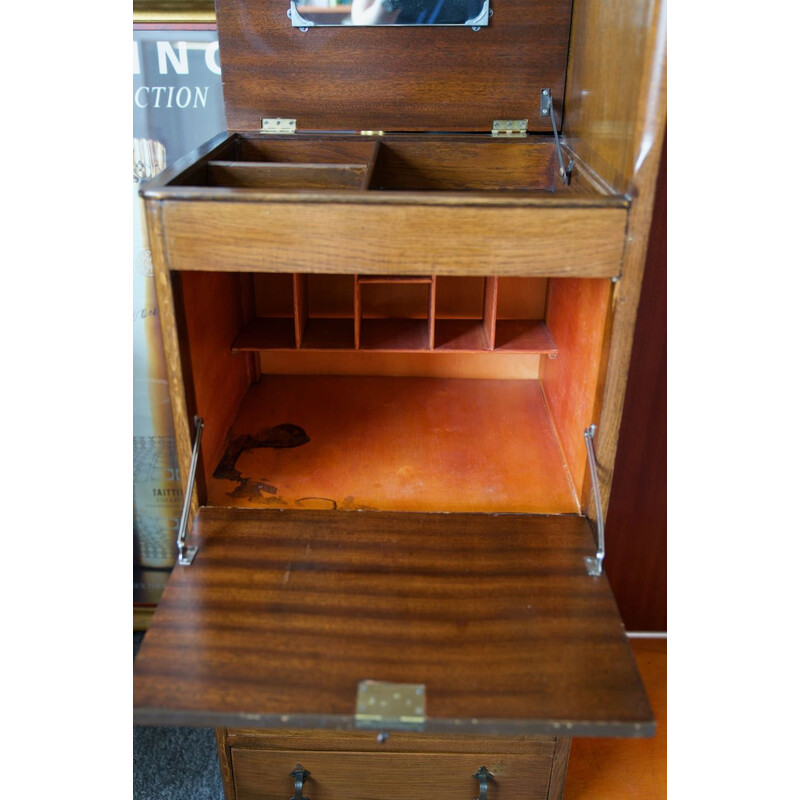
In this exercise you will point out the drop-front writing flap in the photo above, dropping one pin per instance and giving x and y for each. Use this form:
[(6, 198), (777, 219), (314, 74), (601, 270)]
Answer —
[(284, 613), (354, 77)]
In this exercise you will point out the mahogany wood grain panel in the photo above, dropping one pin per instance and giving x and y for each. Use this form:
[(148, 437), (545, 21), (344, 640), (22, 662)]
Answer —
[(445, 364), (577, 319), (407, 79), (401, 444), (264, 775), (212, 318), (609, 769), (374, 238), (282, 613), (614, 105), (248, 175)]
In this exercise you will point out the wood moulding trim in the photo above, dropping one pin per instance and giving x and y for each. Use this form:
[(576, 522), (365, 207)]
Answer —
[(169, 335), (174, 11)]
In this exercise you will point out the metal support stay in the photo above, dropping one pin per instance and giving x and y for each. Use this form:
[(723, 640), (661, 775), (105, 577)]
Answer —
[(186, 554), (546, 110), (594, 564)]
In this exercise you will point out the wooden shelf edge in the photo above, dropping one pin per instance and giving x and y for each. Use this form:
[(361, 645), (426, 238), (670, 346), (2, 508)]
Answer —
[(530, 337), (389, 279)]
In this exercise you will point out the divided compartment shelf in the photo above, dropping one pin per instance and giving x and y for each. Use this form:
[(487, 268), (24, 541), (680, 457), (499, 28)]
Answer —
[(395, 313)]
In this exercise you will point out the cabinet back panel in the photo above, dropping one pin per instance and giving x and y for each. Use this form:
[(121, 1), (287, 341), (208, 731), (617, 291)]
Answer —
[(330, 295), (521, 298), (273, 295), (490, 366)]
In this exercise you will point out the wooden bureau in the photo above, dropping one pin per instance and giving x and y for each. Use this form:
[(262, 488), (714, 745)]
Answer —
[(397, 334)]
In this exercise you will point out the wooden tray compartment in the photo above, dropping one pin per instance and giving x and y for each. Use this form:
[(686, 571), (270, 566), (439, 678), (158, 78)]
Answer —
[(392, 162), (496, 165), (300, 165)]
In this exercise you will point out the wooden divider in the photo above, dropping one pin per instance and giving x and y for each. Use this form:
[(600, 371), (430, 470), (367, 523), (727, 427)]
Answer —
[(266, 175), (399, 313)]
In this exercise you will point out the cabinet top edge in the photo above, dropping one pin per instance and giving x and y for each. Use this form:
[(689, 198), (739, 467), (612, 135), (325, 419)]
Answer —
[(633, 729), (222, 194)]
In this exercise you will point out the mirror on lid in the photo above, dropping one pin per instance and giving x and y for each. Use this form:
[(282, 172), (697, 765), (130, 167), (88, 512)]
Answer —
[(333, 13)]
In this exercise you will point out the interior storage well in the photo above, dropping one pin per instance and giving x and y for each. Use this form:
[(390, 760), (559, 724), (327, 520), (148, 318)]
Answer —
[(399, 393), (408, 163)]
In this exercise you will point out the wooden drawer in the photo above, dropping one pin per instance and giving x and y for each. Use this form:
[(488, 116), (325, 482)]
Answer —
[(264, 774)]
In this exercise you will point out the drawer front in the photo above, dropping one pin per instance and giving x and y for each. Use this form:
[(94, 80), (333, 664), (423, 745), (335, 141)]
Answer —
[(264, 775)]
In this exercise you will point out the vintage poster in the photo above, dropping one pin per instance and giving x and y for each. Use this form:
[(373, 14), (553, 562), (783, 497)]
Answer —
[(177, 105)]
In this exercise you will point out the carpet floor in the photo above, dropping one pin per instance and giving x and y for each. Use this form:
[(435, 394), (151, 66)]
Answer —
[(174, 763)]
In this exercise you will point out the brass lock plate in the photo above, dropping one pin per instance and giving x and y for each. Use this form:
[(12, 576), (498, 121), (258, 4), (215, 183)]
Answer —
[(390, 706)]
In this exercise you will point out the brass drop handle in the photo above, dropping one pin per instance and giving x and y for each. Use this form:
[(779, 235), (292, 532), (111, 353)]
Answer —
[(483, 776), (299, 774)]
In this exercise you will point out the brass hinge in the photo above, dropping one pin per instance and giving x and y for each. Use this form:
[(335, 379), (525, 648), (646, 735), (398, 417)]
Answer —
[(390, 706), (510, 127), (278, 125)]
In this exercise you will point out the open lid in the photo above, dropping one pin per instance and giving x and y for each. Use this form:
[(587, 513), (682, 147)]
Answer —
[(479, 623), (392, 78)]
